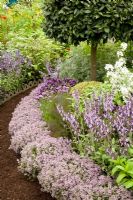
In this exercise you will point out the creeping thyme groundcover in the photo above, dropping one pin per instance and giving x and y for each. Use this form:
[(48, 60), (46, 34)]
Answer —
[(59, 169), (95, 160)]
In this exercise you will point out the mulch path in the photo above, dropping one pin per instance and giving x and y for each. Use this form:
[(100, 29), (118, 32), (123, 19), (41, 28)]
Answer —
[(13, 184)]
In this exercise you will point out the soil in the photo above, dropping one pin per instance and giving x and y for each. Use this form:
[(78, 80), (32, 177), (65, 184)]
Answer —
[(13, 184)]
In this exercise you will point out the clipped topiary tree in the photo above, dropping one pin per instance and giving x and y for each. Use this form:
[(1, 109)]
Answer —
[(72, 21)]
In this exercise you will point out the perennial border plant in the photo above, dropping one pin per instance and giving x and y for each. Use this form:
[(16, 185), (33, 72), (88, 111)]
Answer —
[(58, 168), (119, 76)]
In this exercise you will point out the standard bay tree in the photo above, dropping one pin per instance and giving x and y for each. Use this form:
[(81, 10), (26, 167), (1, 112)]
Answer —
[(73, 21)]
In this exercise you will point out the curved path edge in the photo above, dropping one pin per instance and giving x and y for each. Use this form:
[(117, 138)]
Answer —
[(25, 87), (13, 184)]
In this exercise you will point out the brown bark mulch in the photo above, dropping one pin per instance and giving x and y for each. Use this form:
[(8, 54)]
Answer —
[(13, 184)]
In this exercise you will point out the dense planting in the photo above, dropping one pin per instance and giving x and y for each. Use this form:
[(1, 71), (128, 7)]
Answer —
[(21, 31), (77, 62), (101, 129), (101, 121), (92, 21), (59, 170), (24, 49), (73, 135)]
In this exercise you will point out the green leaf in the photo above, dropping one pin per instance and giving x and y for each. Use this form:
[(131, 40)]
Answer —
[(130, 151), (128, 184), (29, 74), (106, 30), (120, 177), (129, 167), (110, 17), (117, 168)]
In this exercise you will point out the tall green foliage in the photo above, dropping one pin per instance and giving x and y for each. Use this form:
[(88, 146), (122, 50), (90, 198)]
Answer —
[(72, 21)]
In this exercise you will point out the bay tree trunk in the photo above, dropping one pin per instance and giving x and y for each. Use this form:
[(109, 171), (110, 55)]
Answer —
[(93, 69)]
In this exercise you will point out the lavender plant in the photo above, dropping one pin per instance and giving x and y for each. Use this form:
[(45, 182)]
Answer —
[(13, 70), (12, 62)]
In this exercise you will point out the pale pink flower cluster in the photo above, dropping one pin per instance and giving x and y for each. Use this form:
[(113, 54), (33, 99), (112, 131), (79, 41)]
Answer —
[(29, 163), (59, 170), (70, 177)]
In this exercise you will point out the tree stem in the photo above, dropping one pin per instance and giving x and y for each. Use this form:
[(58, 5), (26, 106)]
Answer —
[(93, 62)]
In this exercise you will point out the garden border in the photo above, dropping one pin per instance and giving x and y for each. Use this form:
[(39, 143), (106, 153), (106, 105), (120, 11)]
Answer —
[(62, 172)]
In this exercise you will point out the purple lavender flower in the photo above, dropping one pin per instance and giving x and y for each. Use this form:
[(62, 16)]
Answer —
[(95, 116), (70, 119), (13, 62), (123, 121)]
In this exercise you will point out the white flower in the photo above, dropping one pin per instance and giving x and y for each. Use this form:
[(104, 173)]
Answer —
[(121, 62), (124, 70), (109, 67), (123, 46), (124, 91), (119, 54), (5, 7), (119, 77)]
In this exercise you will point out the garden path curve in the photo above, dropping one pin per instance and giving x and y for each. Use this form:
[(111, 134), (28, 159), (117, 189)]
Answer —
[(13, 184)]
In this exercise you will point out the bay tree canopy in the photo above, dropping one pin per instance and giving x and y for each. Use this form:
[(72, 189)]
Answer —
[(73, 21)]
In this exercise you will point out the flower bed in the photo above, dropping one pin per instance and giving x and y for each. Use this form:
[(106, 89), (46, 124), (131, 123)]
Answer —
[(58, 168)]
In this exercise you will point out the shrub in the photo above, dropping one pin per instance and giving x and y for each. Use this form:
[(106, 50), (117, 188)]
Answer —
[(95, 21), (20, 18), (21, 31), (78, 60), (76, 63), (84, 87), (100, 128), (37, 47)]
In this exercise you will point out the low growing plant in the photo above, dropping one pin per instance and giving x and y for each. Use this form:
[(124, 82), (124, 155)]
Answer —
[(123, 172)]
